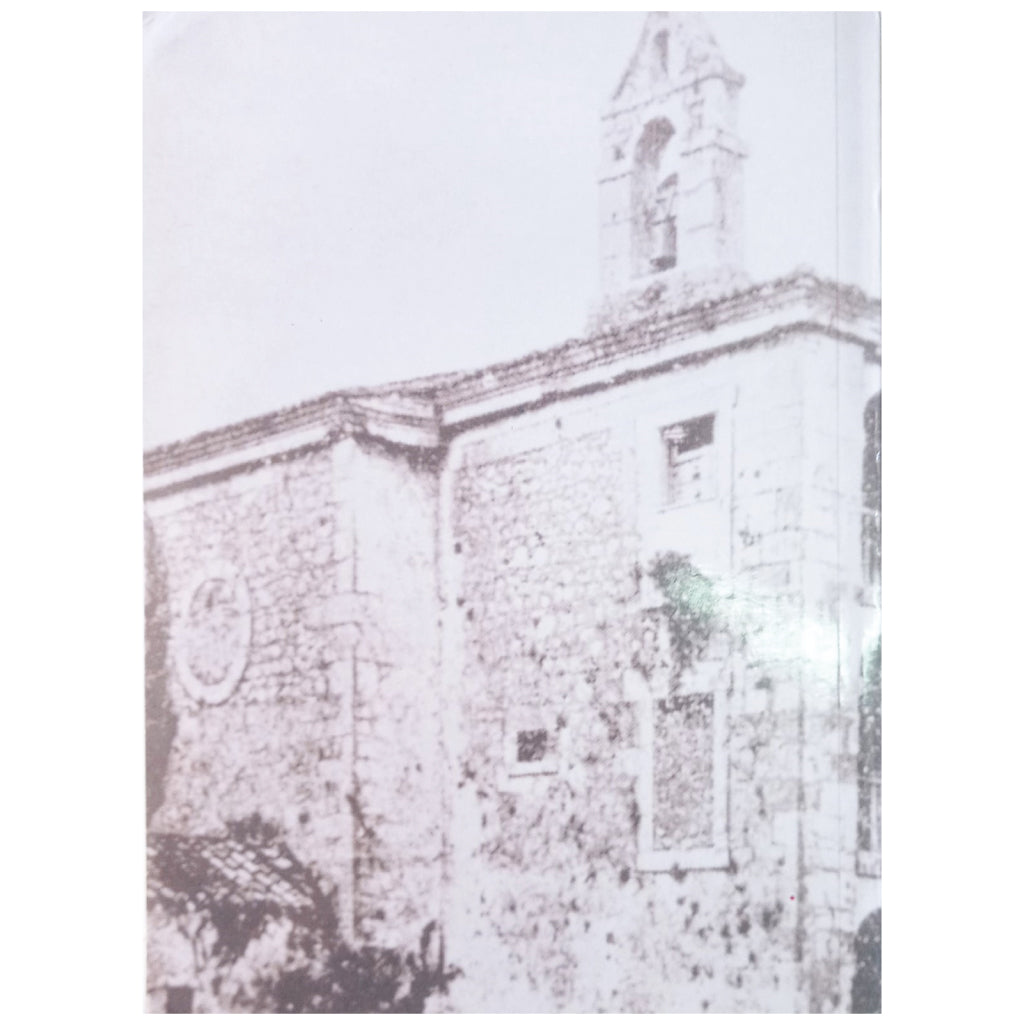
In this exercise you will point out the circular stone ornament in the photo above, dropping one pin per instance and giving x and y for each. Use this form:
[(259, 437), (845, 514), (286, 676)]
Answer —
[(212, 635)]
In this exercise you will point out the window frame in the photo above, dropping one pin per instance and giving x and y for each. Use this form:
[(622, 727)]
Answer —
[(531, 718), (708, 454), (700, 531), (708, 677)]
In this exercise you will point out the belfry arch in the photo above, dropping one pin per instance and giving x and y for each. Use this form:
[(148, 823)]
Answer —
[(655, 188)]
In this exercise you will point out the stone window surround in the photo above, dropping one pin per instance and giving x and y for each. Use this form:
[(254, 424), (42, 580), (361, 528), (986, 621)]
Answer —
[(531, 718), (663, 527), (661, 522), (712, 678), (705, 451)]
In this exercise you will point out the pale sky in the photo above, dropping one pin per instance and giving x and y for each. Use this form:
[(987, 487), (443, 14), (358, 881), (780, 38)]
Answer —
[(335, 200)]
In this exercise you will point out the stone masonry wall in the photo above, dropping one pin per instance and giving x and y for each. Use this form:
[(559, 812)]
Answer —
[(554, 523), (547, 578), (280, 744), (505, 759), (332, 730), (398, 774)]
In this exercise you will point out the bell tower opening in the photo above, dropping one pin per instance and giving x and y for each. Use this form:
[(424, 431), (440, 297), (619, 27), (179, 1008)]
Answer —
[(654, 200), (670, 177)]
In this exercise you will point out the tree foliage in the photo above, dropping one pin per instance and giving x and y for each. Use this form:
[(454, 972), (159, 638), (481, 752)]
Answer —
[(161, 722), (321, 972), (370, 979)]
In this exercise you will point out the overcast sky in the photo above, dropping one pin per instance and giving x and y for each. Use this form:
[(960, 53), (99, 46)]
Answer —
[(335, 200)]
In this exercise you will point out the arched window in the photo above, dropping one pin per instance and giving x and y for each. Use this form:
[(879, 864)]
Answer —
[(655, 186)]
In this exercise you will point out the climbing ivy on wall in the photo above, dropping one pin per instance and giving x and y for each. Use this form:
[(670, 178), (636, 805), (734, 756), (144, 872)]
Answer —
[(690, 605)]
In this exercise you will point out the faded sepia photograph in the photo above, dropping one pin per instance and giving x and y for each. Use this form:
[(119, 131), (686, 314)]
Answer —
[(512, 511)]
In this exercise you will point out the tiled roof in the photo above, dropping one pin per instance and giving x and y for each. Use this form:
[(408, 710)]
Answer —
[(194, 873)]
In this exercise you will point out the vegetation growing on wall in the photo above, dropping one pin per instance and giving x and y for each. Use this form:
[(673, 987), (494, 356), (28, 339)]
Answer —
[(691, 606), (321, 972), (342, 979)]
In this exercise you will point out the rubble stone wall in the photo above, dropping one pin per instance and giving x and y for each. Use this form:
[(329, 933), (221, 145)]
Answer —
[(554, 522), (452, 679), (279, 744)]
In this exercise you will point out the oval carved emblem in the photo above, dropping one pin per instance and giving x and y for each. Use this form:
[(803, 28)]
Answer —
[(214, 630)]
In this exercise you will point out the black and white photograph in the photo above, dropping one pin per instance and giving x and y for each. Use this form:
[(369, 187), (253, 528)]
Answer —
[(512, 512)]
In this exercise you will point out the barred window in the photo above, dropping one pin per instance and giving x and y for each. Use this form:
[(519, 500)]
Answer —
[(690, 467)]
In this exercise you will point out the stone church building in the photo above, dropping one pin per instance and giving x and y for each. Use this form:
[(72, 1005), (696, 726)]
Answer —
[(574, 659)]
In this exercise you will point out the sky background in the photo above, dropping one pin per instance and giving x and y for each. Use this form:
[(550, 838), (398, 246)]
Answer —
[(335, 200)]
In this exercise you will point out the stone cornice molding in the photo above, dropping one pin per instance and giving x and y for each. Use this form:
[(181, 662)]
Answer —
[(423, 414)]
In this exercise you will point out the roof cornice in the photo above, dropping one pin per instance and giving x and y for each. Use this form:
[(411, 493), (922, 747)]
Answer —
[(424, 413)]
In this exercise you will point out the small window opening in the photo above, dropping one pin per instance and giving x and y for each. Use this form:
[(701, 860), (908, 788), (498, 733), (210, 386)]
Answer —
[(689, 464), (531, 745), (693, 434)]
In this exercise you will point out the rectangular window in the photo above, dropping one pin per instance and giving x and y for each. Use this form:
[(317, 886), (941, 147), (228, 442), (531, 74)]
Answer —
[(531, 745), (531, 741), (689, 455), (684, 794), (682, 768)]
